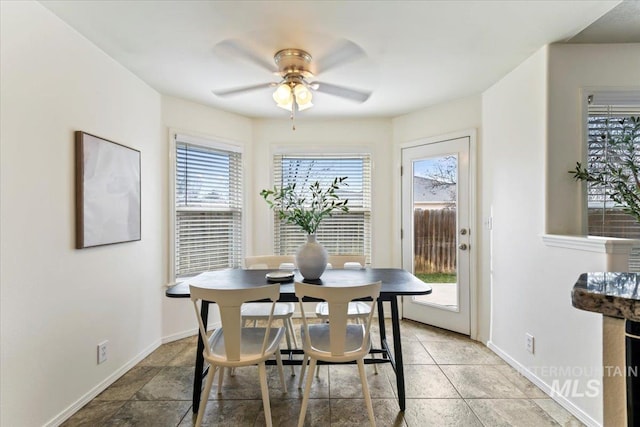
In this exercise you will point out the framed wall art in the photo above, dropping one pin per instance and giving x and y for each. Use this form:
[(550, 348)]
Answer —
[(107, 192)]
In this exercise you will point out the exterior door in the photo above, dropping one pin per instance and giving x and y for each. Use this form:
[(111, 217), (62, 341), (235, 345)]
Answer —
[(436, 239)]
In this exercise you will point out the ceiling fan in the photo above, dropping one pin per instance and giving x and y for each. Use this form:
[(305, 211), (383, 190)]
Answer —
[(296, 70)]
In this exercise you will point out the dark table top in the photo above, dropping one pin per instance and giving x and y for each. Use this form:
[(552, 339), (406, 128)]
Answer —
[(395, 281), (612, 294)]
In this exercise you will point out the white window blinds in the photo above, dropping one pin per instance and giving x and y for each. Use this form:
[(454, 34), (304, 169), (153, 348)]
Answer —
[(208, 215), (604, 217), (343, 233)]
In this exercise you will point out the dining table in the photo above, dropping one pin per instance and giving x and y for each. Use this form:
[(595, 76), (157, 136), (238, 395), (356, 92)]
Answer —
[(396, 282)]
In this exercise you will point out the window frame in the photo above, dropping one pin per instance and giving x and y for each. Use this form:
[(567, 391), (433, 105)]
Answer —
[(213, 143)]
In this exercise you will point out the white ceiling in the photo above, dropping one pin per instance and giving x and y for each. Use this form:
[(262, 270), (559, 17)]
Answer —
[(418, 53)]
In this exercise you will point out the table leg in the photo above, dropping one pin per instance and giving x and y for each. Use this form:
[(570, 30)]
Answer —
[(383, 331), (397, 350), (198, 374)]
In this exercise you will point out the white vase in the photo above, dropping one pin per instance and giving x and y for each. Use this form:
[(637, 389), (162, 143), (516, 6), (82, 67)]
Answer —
[(311, 258)]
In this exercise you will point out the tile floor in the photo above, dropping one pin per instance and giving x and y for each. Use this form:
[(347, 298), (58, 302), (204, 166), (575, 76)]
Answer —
[(450, 381)]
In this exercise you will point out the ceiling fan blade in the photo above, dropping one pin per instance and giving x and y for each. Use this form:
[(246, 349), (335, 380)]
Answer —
[(235, 48), (341, 91), (243, 89), (341, 53)]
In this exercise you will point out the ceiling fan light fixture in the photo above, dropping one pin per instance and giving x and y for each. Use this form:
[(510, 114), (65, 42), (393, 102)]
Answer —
[(303, 96), (283, 95)]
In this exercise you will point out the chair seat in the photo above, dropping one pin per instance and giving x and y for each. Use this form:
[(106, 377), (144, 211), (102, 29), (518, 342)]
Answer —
[(357, 309), (319, 337), (259, 310), (250, 348)]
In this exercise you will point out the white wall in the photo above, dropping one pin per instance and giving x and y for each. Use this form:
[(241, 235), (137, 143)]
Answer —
[(180, 116), (373, 136), (458, 115), (57, 302), (531, 136)]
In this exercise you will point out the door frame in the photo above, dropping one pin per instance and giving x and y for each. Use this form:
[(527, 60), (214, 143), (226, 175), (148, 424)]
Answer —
[(474, 242)]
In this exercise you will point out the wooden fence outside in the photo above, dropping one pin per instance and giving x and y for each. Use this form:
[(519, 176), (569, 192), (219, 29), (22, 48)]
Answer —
[(435, 235)]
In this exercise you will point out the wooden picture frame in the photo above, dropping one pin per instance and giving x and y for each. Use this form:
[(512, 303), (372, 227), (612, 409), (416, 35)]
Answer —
[(108, 192)]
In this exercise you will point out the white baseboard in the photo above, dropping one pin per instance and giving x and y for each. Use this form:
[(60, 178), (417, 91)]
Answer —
[(558, 398), (78, 404), (179, 335), (188, 333)]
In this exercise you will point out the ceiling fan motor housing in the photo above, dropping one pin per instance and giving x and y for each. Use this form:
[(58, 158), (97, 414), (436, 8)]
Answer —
[(293, 62)]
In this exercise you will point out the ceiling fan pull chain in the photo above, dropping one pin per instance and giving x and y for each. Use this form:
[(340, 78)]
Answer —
[(294, 107)]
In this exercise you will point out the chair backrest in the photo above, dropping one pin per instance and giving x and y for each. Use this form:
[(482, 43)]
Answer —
[(338, 298), (269, 261), (229, 302), (346, 261)]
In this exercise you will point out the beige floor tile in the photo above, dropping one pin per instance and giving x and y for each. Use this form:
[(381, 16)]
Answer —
[(344, 382), (226, 413), (353, 412), (150, 414), (440, 413), (414, 353), (524, 385), (171, 383), (95, 413), (459, 352), (426, 381), (127, 385), (558, 413), (510, 413), (480, 381), (285, 413)]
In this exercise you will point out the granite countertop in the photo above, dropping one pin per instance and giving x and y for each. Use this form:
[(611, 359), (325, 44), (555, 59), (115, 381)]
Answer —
[(612, 294)]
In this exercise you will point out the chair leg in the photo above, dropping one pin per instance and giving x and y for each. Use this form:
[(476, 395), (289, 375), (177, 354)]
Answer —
[(293, 332), (220, 379), (365, 392), (303, 367), (205, 394), (265, 393), (307, 391), (287, 334), (281, 370)]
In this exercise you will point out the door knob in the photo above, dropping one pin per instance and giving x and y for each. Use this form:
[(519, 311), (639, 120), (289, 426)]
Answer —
[(463, 247)]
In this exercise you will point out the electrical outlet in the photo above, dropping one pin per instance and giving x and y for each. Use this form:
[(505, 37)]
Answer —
[(529, 343), (102, 352)]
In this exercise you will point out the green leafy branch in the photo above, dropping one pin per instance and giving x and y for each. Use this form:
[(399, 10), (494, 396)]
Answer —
[(306, 208), (620, 173)]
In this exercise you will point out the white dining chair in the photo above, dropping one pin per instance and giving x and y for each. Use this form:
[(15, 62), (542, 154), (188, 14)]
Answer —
[(255, 311), (358, 311), (337, 341), (234, 346)]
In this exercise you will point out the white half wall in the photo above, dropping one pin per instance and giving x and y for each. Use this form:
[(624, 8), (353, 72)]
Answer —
[(57, 302), (532, 126)]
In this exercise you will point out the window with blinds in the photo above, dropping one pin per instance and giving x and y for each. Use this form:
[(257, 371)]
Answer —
[(208, 214), (343, 233), (604, 217)]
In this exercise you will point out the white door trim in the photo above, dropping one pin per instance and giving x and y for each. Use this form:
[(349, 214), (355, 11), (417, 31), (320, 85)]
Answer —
[(473, 207)]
